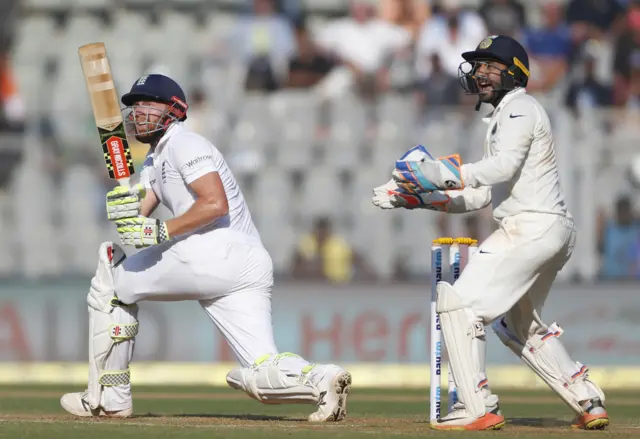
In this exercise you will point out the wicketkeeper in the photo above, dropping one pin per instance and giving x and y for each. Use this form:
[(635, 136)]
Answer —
[(507, 281)]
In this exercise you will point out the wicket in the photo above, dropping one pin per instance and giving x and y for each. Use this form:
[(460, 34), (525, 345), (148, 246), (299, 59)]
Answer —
[(437, 344)]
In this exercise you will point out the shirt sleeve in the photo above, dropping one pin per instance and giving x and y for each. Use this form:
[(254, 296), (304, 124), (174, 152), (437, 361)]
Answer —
[(514, 136), (469, 199), (194, 157)]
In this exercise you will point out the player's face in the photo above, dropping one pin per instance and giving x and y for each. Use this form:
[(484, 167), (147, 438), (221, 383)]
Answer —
[(148, 118), (488, 78)]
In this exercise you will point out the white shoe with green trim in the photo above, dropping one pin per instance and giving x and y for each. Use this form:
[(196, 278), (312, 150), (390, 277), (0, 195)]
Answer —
[(77, 404)]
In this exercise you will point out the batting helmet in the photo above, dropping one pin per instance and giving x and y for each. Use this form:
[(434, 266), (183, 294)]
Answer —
[(158, 88)]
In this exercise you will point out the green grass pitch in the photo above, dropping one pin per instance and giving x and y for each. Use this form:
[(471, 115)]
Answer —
[(28, 412)]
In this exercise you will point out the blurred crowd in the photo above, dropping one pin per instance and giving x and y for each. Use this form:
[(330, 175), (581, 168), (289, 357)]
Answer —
[(586, 50), (584, 55), (12, 112)]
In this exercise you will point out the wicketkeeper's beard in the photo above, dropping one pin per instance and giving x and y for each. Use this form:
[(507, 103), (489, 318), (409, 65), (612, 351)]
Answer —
[(487, 89)]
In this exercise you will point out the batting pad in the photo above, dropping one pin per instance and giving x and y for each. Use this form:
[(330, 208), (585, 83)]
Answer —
[(111, 343), (545, 354), (112, 328), (459, 334), (270, 385)]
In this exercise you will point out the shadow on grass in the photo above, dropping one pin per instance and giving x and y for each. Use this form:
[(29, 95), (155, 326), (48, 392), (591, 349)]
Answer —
[(538, 422), (240, 417), (531, 422)]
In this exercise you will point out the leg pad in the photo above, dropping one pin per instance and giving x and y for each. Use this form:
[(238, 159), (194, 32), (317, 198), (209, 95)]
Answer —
[(545, 354), (460, 329)]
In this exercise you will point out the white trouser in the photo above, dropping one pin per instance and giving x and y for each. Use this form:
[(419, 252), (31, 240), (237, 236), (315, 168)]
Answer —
[(511, 275), (199, 267), (230, 275), (515, 267)]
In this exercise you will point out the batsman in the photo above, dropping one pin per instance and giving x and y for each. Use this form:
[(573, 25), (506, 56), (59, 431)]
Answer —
[(210, 251), (507, 281)]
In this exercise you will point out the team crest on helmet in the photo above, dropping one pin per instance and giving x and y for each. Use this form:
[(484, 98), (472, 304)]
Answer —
[(487, 42)]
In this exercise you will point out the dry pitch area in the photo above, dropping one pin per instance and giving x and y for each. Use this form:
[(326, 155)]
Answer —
[(28, 412)]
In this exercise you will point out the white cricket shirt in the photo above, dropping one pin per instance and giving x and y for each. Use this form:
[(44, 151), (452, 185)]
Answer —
[(519, 161), (180, 158)]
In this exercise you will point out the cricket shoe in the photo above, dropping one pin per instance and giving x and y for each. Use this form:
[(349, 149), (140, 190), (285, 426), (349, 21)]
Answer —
[(459, 419), (77, 404), (333, 384), (595, 416)]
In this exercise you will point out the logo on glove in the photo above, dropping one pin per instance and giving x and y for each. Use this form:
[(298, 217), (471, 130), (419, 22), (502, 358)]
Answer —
[(148, 231), (450, 184)]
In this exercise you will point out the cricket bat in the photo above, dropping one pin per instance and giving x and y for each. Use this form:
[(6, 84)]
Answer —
[(106, 111)]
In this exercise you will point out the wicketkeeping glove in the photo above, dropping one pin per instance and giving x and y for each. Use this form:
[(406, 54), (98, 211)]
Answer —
[(426, 175), (124, 202), (141, 231), (390, 196), (436, 200)]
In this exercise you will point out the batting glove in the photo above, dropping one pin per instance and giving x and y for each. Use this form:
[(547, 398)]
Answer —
[(141, 231), (124, 202)]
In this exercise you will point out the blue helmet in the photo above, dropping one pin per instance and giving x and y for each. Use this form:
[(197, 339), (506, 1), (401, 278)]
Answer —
[(503, 49), (158, 88)]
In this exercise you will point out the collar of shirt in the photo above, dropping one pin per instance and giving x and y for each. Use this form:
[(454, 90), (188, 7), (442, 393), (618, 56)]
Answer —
[(505, 100), (175, 128)]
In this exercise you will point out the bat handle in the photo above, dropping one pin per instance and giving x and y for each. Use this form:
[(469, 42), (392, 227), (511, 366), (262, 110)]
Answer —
[(125, 182)]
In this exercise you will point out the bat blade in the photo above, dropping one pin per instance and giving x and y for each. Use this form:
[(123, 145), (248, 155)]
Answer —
[(106, 111)]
